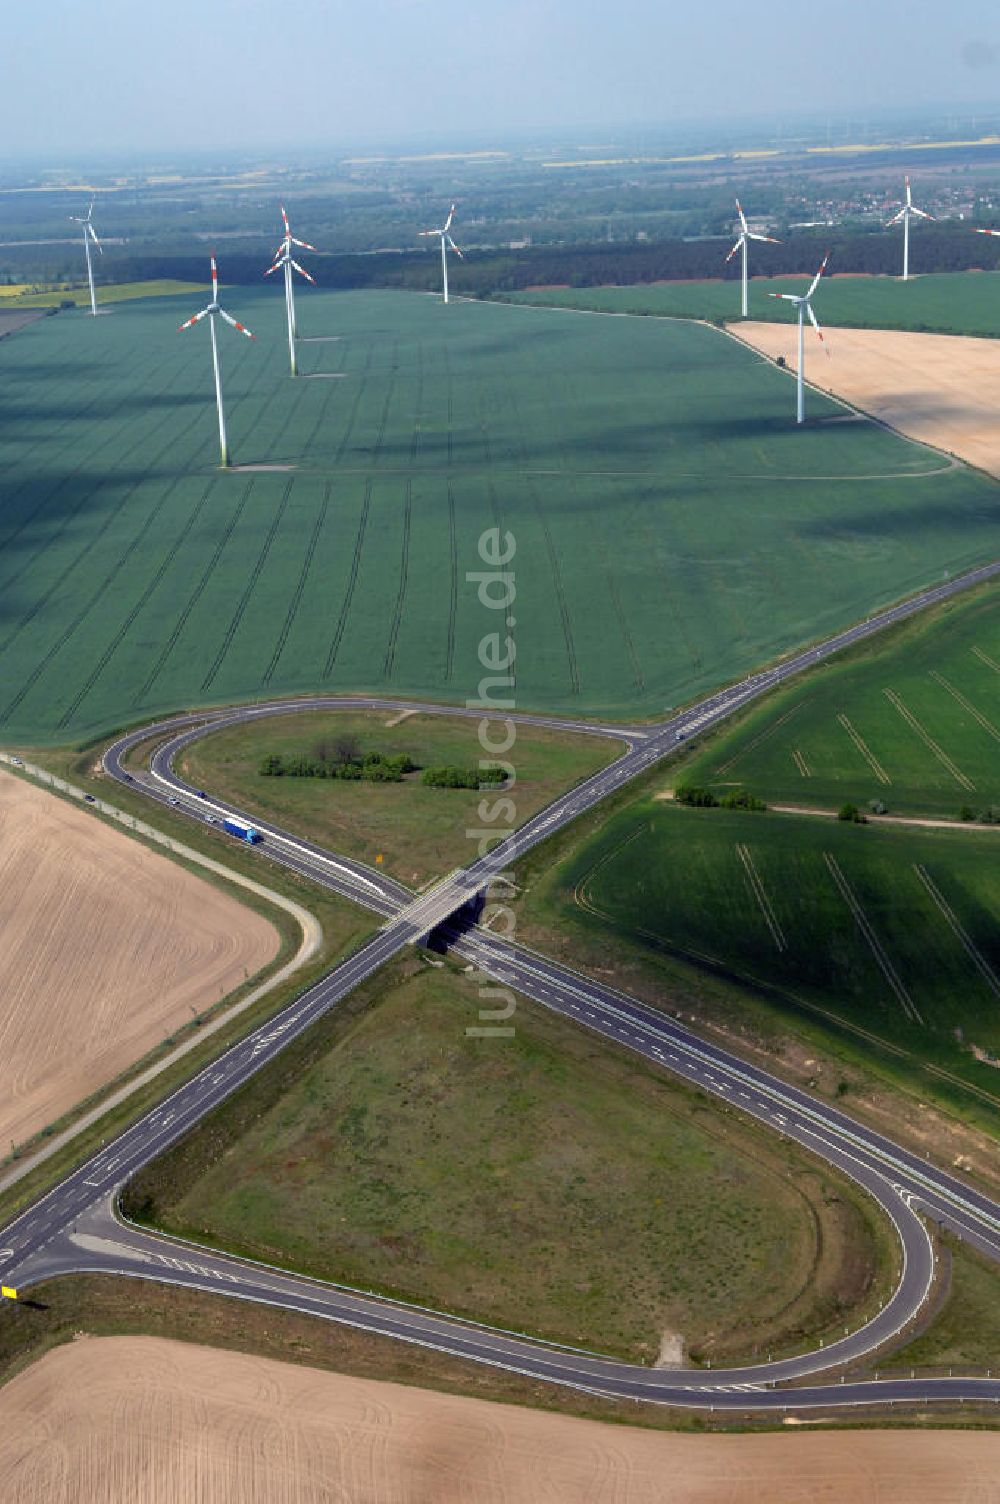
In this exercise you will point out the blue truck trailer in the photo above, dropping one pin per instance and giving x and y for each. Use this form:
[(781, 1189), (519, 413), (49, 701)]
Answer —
[(242, 832)]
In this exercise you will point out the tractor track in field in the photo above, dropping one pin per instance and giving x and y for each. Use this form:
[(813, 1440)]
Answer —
[(561, 602), (328, 397), (383, 420), (25, 565), (29, 482), (389, 662), (195, 595), (415, 437), (300, 586), (136, 610), (250, 587), (345, 608), (453, 593), (352, 416), (70, 629), (638, 678), (110, 518)]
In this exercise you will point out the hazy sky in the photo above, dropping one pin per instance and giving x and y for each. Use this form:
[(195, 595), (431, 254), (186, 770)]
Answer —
[(107, 74)]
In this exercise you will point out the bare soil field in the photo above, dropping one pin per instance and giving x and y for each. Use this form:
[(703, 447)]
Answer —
[(106, 948), (941, 389), (141, 1420)]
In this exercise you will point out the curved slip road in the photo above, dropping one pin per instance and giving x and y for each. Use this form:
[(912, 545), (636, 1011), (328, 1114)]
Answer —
[(74, 1228)]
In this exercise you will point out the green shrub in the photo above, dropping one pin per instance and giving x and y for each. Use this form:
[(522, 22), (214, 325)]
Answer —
[(699, 798)]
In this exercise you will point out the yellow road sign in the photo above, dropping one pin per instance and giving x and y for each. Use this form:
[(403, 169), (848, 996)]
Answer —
[(8, 1292)]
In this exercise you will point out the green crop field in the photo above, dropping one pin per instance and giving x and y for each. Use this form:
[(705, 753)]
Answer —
[(913, 722), (895, 930), (502, 1179), (945, 303), (672, 527)]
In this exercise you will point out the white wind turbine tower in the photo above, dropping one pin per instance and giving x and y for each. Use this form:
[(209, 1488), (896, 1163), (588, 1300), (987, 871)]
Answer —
[(804, 306), (446, 240), (283, 257), (907, 212), (213, 311), (89, 234), (741, 244)]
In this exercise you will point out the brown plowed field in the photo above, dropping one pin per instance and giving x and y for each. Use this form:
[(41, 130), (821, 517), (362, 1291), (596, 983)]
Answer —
[(105, 948), (942, 389), (139, 1420)]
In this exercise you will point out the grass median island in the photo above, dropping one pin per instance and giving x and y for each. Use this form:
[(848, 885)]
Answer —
[(910, 721), (890, 931), (421, 831), (547, 1182)]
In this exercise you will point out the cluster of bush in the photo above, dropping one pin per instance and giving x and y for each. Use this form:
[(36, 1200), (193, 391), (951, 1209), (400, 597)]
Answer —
[(702, 798), (375, 767), (988, 816), (462, 778), (851, 815)]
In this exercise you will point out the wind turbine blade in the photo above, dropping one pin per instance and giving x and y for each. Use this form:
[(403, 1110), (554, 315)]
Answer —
[(895, 219), (193, 320), (815, 281), (812, 320), (285, 218), (430, 232), (451, 216), (987, 232), (735, 248), (274, 268), (921, 213), (236, 324), (454, 247), (786, 297), (743, 218), (302, 272), (215, 281), (303, 243), (771, 239), (93, 236), (909, 196)]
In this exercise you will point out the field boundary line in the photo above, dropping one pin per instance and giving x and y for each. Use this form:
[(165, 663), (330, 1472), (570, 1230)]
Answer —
[(966, 704), (763, 736), (975, 955), (984, 657), (862, 746), (312, 939), (878, 950), (760, 893), (925, 736)]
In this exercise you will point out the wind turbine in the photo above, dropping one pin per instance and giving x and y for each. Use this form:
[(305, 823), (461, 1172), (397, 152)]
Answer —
[(804, 306), (213, 311), (89, 234), (744, 236), (283, 257), (907, 212), (446, 240)]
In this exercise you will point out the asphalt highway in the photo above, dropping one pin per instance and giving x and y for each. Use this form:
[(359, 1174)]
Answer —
[(75, 1227)]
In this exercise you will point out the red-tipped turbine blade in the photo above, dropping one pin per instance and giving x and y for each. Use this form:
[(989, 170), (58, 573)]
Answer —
[(285, 218), (236, 324), (193, 320), (215, 281), (735, 248), (303, 243), (302, 272)]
